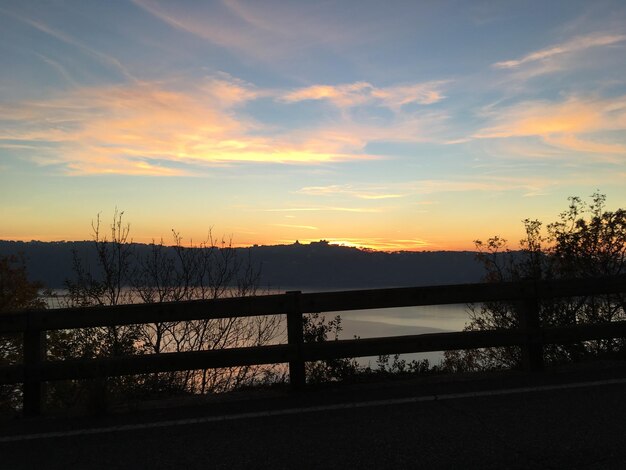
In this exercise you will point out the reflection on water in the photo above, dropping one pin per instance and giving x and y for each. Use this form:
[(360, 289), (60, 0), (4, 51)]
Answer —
[(385, 322), (403, 321)]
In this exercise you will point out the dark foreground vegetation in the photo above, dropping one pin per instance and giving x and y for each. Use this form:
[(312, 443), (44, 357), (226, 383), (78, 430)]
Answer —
[(117, 273), (586, 242)]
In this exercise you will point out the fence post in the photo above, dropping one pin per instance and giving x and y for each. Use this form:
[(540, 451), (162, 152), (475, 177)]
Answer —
[(295, 338), (529, 323), (34, 354)]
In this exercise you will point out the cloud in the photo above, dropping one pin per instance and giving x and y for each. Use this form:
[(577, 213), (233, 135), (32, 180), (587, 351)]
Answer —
[(342, 95), (193, 24), (351, 135), (110, 166), (144, 128), (176, 127), (361, 93), (324, 209), (263, 32), (345, 189), (572, 142), (60, 69), (104, 59), (230, 91), (569, 124), (305, 227), (576, 44), (406, 189), (491, 184), (544, 118)]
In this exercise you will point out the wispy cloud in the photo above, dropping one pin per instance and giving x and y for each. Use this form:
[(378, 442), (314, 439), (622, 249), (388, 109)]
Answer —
[(352, 135), (576, 44), (305, 227), (104, 59), (162, 128), (544, 118), (144, 128), (361, 93), (572, 142), (261, 31), (190, 23), (407, 189), (490, 184), (569, 124), (230, 91), (324, 209), (60, 69), (371, 193)]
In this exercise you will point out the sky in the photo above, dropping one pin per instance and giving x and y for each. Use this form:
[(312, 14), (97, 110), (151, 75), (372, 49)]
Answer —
[(396, 125)]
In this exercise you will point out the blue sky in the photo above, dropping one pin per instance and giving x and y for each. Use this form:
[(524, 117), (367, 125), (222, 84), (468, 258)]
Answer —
[(392, 125)]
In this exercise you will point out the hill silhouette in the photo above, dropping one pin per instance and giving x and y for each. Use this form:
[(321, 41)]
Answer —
[(318, 265)]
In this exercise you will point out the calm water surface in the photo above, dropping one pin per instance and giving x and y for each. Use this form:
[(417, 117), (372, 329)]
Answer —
[(392, 322), (403, 321)]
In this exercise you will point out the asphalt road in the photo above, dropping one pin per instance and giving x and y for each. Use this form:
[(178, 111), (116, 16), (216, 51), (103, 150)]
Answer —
[(558, 427)]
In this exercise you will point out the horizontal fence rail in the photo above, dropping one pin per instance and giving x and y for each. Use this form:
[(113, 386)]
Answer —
[(33, 324)]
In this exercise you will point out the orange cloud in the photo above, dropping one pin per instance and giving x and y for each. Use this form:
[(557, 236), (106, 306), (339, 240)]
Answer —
[(545, 118), (146, 129), (230, 91), (343, 95), (572, 142), (360, 93), (117, 167), (561, 124), (306, 227), (421, 93)]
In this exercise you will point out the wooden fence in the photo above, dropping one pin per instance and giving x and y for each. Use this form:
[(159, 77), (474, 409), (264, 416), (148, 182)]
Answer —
[(531, 336)]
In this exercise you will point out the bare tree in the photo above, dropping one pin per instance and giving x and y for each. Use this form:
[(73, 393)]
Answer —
[(105, 284), (205, 271), (209, 270)]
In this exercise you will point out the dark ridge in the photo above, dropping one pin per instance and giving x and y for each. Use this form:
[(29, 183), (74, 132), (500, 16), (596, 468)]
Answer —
[(317, 265)]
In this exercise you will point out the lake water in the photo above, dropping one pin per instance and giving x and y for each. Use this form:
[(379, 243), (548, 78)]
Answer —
[(403, 321), (392, 322)]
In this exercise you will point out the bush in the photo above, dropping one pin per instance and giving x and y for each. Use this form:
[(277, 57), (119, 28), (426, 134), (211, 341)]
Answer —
[(586, 241)]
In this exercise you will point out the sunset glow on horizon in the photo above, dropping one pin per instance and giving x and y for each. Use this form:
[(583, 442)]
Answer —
[(390, 126)]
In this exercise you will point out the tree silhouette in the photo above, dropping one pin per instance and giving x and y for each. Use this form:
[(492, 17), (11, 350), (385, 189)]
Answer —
[(16, 293), (120, 274), (585, 241)]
